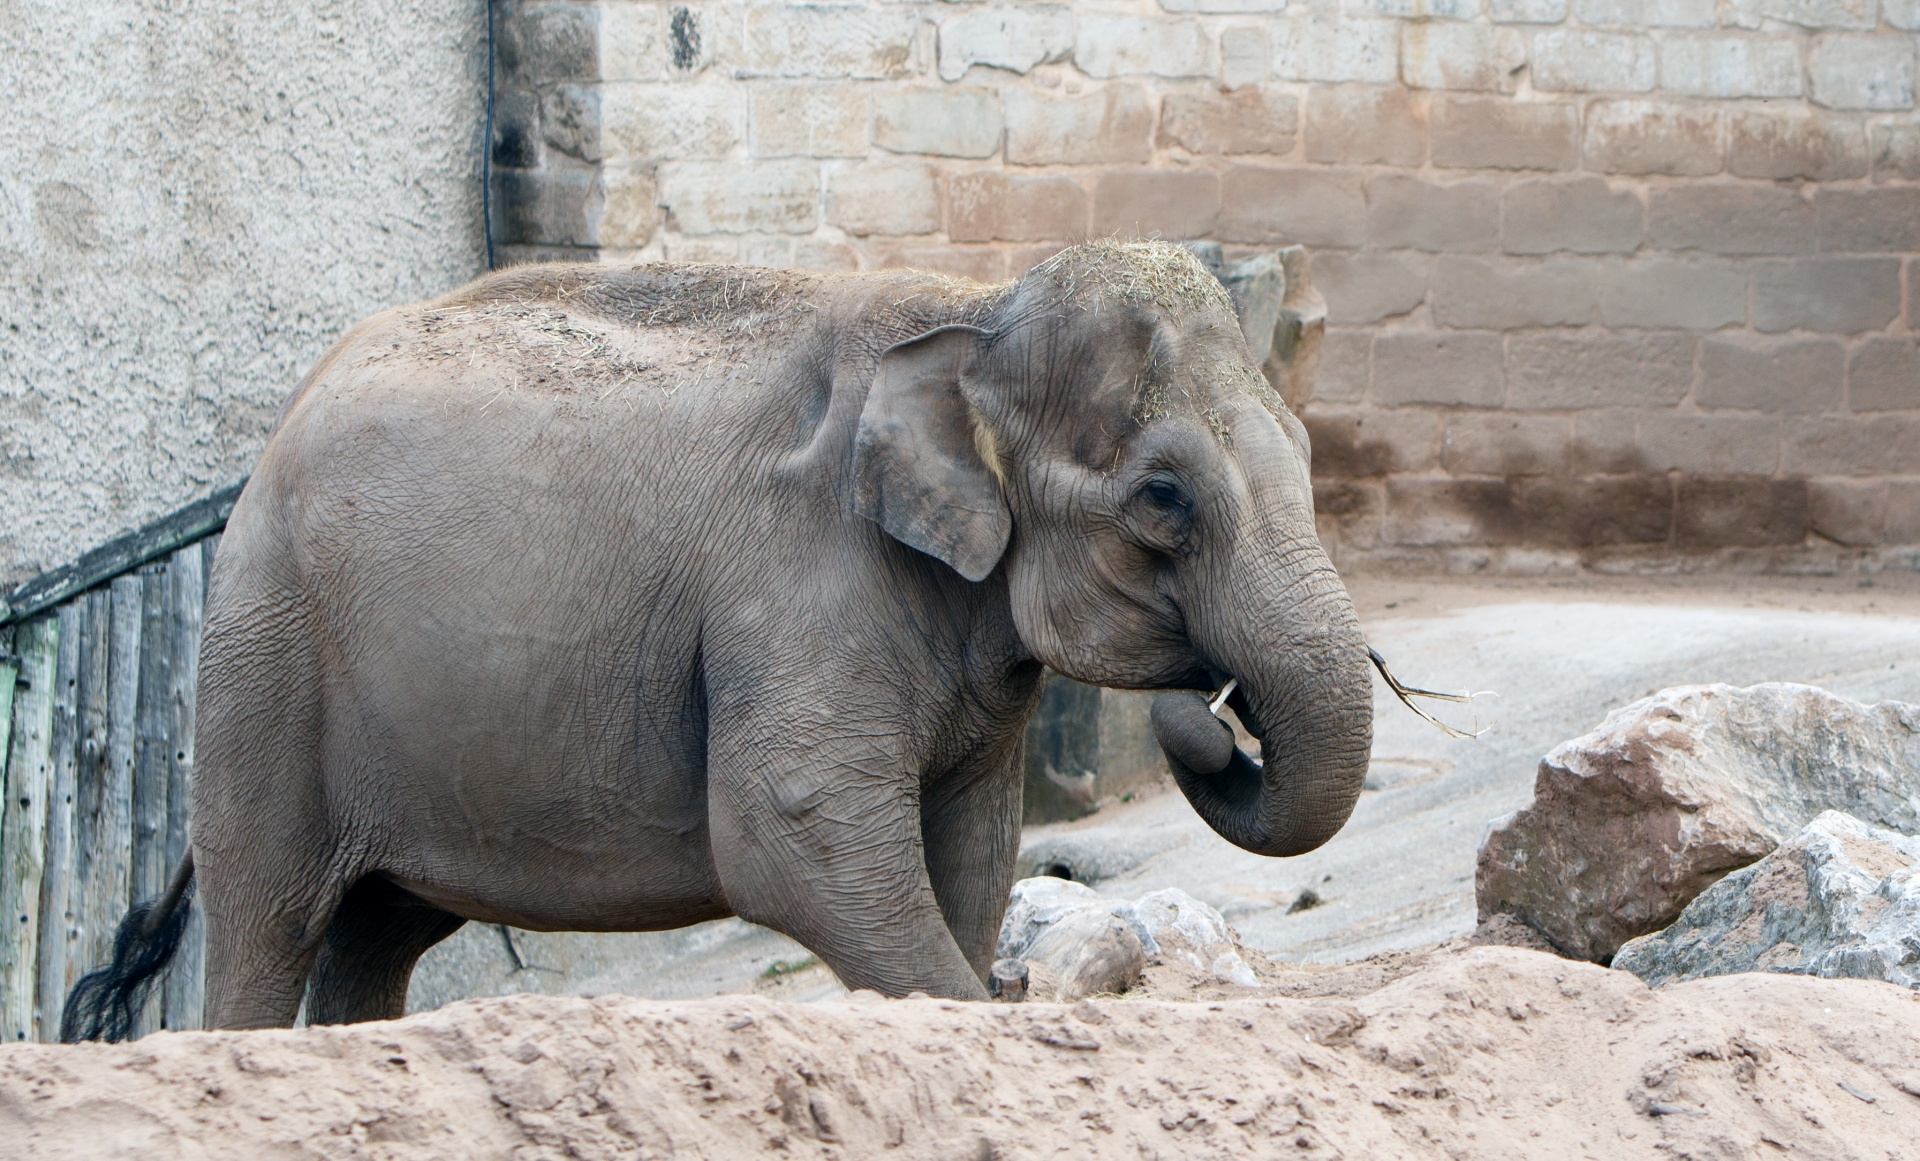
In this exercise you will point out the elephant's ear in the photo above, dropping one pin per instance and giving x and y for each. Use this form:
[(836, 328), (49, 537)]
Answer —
[(917, 465)]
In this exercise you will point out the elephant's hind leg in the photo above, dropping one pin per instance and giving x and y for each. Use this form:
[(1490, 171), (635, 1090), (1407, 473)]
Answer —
[(366, 958)]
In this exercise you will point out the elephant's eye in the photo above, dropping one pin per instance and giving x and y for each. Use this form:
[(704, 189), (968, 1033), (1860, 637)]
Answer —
[(1166, 495)]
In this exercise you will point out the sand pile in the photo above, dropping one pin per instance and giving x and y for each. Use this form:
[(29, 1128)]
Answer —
[(1486, 1052)]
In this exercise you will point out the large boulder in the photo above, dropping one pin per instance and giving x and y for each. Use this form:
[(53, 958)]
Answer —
[(1631, 822), (1840, 899)]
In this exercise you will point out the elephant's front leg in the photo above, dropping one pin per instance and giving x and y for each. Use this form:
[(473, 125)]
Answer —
[(971, 825), (816, 833)]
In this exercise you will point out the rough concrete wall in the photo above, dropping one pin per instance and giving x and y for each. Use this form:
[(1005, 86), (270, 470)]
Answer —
[(1613, 281), (199, 196)]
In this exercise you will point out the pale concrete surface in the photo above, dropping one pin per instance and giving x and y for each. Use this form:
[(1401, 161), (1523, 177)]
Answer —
[(1400, 875), (198, 198)]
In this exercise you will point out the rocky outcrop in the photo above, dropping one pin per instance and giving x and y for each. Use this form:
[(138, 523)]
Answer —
[(1077, 943), (1840, 899), (1631, 822)]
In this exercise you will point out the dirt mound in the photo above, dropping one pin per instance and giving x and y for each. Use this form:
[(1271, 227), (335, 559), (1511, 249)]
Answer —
[(1487, 1052)]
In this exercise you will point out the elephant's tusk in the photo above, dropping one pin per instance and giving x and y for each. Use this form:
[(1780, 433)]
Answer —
[(1220, 699), (1407, 693)]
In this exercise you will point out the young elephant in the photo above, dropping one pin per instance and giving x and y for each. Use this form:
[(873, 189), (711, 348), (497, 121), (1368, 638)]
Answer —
[(616, 600)]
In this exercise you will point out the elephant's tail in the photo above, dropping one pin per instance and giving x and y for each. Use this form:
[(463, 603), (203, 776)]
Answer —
[(102, 1005)]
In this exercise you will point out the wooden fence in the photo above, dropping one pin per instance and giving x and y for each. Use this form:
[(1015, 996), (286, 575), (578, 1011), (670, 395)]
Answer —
[(98, 668)]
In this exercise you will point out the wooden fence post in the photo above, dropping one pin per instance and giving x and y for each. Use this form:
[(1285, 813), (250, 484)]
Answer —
[(184, 992), (56, 916), (23, 826)]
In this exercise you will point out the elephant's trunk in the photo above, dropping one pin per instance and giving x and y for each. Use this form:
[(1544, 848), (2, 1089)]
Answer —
[(1303, 688)]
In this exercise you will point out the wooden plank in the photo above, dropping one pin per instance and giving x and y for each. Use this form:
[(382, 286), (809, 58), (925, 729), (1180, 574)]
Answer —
[(152, 720), (184, 997), (107, 886), (128, 552), (23, 828), (56, 918)]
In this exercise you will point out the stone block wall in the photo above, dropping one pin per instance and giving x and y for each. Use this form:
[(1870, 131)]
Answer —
[(1616, 282)]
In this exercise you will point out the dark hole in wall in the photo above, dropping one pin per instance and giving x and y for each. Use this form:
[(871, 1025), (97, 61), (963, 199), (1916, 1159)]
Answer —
[(684, 31)]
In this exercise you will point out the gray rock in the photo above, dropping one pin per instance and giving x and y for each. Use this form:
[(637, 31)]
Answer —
[(1840, 899), (1091, 855), (1087, 953), (1047, 915), (1187, 929), (1631, 822)]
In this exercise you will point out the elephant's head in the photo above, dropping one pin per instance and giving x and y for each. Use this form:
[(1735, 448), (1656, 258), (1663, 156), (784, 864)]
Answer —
[(1104, 436)]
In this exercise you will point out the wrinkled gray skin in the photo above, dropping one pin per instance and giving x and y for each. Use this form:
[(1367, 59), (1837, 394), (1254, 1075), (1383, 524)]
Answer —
[(614, 600)]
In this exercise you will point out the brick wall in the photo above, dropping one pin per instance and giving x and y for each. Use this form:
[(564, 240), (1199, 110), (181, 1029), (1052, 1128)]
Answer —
[(1628, 283)]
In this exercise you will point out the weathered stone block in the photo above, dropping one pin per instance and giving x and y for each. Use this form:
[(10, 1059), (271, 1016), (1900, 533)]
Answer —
[(1645, 369), (1224, 7), (1869, 220), (1848, 445), (819, 254), (633, 43), (1106, 127), (1883, 374), (1443, 368), (670, 122), (1503, 443), (1686, 294), (1243, 120), (630, 212), (1336, 49), (1805, 13), (1406, 213), (1739, 512), (1583, 215), (828, 41), (548, 207), (1607, 442), (1366, 127), (1862, 71), (1777, 376), (1136, 46), (516, 130), (550, 42), (1840, 900), (1903, 512), (1430, 513), (1243, 55), (1731, 65), (1346, 359), (1730, 219), (1358, 444), (1420, 9), (1839, 295), (570, 120), (1913, 296), (1649, 13), (1896, 152), (1314, 207), (890, 198), (1504, 293), (980, 263), (950, 122), (1787, 145), (1849, 512), (1169, 203), (712, 249), (1719, 444), (1015, 39), (1630, 823), (1653, 137), (1903, 14), (1593, 512), (988, 205), (1495, 133), (737, 197), (1479, 57), (1368, 287), (1586, 60), (1527, 11), (807, 120), (1347, 512)]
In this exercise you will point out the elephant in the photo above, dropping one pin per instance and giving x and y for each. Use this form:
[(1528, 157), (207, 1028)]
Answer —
[(621, 599)]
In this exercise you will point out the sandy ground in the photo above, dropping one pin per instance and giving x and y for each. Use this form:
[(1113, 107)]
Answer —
[(1483, 1053)]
